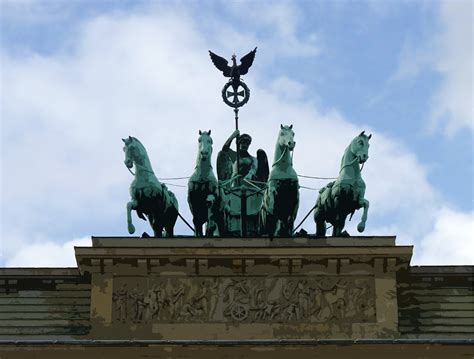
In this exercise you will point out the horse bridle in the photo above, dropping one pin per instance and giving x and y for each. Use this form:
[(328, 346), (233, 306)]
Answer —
[(351, 163), (142, 167), (282, 154)]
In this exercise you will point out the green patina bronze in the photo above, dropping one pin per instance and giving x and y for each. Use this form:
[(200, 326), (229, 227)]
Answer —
[(204, 198), (281, 196), (249, 168), (241, 176), (246, 198), (150, 198), (345, 195)]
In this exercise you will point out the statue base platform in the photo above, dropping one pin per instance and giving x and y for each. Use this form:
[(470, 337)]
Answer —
[(252, 288)]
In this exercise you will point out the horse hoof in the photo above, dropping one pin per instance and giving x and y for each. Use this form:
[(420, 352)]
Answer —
[(361, 227), (131, 229)]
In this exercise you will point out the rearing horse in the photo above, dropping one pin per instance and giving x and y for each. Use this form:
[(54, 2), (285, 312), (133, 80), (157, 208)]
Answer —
[(346, 194), (203, 193), (149, 196), (281, 197)]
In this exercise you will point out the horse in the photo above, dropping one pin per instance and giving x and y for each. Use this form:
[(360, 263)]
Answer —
[(149, 196), (204, 197), (281, 196), (343, 196)]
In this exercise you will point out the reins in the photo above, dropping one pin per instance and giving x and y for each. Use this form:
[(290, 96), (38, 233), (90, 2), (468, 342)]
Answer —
[(281, 157), (142, 167), (351, 163)]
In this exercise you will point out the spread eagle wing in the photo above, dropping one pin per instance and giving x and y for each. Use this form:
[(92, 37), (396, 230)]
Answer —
[(247, 61), (221, 64)]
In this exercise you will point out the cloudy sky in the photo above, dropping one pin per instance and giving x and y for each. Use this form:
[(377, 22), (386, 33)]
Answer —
[(77, 76)]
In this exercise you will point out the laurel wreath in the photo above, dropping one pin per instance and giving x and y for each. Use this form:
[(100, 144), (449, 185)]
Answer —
[(239, 103)]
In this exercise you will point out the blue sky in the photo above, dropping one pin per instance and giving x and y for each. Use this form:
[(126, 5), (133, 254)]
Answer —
[(77, 76)]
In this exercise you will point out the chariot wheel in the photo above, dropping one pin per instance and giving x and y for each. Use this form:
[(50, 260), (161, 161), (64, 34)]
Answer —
[(239, 312), (235, 97)]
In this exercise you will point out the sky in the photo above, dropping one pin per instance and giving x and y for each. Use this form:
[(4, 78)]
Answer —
[(78, 76)]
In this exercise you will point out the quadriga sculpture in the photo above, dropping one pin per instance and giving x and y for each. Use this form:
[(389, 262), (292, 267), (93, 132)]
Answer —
[(346, 194), (281, 197), (204, 199), (150, 198)]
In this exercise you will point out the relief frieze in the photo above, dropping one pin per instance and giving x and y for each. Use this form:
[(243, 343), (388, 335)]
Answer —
[(247, 300)]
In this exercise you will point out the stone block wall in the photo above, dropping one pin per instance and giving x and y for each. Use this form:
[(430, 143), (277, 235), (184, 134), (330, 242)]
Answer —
[(44, 302), (436, 301)]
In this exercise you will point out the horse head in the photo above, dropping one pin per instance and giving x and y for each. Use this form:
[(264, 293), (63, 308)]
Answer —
[(205, 145), (130, 150), (286, 137), (360, 147), (135, 153)]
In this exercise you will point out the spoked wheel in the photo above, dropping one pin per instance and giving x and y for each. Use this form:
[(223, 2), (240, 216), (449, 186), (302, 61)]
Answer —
[(239, 312)]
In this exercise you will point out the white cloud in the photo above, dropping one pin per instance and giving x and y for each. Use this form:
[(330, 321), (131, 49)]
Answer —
[(48, 254), (287, 88), (149, 76), (280, 23), (450, 53), (450, 242), (453, 102)]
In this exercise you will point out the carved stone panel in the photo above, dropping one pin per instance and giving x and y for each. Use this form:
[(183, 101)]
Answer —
[(243, 300)]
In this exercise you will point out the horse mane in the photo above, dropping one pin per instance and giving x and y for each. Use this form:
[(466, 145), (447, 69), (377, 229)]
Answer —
[(134, 139)]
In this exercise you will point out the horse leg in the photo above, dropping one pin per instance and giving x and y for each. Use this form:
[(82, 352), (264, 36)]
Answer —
[(211, 222), (220, 222), (320, 228), (173, 223), (285, 228), (338, 226), (365, 204), (320, 222), (271, 225), (169, 220), (291, 220), (269, 218), (291, 225), (169, 231), (158, 229), (216, 216), (133, 204), (156, 226), (197, 227)]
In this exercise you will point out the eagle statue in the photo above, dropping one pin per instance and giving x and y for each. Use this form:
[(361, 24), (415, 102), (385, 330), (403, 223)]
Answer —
[(234, 71)]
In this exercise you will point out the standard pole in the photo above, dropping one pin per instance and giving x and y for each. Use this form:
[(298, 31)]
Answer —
[(236, 111), (243, 193)]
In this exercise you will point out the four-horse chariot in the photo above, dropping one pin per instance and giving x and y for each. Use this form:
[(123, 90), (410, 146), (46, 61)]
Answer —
[(247, 198)]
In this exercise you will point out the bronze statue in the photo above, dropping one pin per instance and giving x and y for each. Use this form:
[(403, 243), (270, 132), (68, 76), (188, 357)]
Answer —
[(242, 178), (234, 72), (248, 168), (204, 199), (281, 197), (346, 194), (150, 197)]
